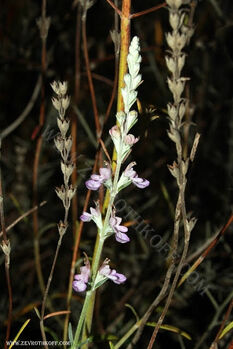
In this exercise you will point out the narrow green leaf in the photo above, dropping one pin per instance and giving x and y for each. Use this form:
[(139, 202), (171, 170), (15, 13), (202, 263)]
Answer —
[(133, 311), (37, 312), (226, 329), (171, 329), (70, 333)]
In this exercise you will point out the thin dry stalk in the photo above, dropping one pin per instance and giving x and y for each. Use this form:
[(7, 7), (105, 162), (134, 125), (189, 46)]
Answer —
[(43, 24), (6, 248), (87, 63), (226, 317), (177, 39), (149, 10), (74, 118), (66, 192), (19, 219)]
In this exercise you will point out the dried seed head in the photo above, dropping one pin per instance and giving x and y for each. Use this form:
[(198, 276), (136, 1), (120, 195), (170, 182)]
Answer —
[(62, 227), (71, 192), (174, 20), (174, 3), (63, 125), (182, 109), (56, 103), (59, 143), (61, 192), (181, 61), (62, 87), (65, 101), (6, 247), (68, 144), (174, 170), (67, 170), (171, 64), (181, 40), (172, 111), (171, 40), (55, 87)]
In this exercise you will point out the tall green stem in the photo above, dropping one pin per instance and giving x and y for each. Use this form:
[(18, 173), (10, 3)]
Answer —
[(109, 198), (81, 320), (89, 303)]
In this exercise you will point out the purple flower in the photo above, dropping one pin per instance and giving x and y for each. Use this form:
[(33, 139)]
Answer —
[(112, 274), (94, 215), (95, 181), (119, 229), (81, 280), (87, 217), (131, 174)]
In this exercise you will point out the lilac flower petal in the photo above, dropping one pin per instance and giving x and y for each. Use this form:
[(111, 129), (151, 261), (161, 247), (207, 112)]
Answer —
[(78, 277), (122, 238), (105, 172), (120, 279), (79, 286), (105, 270), (96, 177), (85, 273), (92, 185), (141, 182), (130, 173), (122, 228), (94, 212), (117, 278), (86, 217)]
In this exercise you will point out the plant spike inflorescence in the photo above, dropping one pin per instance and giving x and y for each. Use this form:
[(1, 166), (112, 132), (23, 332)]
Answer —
[(116, 181)]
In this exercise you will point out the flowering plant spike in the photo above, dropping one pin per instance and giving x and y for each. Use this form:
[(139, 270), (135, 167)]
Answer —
[(123, 142), (90, 278)]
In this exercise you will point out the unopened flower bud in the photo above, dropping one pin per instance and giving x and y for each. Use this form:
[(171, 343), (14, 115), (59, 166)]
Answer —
[(130, 139), (120, 117), (131, 119), (115, 132)]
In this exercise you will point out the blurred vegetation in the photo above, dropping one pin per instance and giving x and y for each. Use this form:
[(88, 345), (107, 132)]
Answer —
[(210, 187)]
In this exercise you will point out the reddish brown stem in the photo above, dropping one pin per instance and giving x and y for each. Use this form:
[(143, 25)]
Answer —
[(74, 119), (89, 75), (149, 10), (125, 37), (43, 32), (115, 7), (228, 312)]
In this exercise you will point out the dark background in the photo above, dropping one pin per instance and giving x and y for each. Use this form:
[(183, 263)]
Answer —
[(209, 193)]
